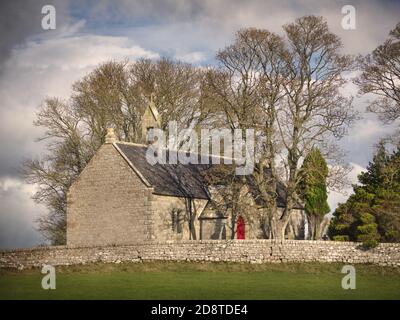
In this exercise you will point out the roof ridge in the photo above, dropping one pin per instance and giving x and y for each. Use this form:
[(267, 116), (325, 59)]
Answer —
[(131, 143), (181, 151)]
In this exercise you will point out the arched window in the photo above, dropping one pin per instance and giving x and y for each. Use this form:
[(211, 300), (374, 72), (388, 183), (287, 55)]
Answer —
[(176, 220)]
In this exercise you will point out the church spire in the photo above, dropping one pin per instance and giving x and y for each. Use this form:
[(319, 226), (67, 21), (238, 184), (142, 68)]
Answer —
[(151, 119)]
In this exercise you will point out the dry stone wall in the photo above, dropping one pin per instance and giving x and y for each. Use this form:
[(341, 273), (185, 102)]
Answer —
[(249, 251)]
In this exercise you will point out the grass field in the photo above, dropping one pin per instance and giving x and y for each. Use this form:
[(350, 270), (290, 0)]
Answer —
[(168, 280)]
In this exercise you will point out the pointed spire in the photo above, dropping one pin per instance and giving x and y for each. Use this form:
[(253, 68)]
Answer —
[(151, 119), (153, 109)]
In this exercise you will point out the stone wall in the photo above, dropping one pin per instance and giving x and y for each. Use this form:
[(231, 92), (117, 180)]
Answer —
[(108, 204), (252, 251), (163, 206)]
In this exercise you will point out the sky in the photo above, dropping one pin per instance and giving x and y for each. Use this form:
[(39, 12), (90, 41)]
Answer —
[(37, 63)]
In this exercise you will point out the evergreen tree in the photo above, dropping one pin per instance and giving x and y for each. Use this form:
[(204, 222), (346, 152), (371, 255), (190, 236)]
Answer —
[(387, 203), (367, 231), (313, 190), (373, 177), (372, 213)]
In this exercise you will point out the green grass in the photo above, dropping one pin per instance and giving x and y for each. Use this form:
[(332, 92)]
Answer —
[(171, 280)]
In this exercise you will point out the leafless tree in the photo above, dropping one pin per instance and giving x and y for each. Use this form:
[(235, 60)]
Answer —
[(288, 88), (381, 76)]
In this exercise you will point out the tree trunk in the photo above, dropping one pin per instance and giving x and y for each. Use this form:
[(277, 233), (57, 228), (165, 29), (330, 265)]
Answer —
[(318, 223), (233, 224), (192, 217), (315, 226), (278, 227), (311, 220)]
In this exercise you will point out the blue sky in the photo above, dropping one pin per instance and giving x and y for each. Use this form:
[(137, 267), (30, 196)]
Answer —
[(35, 63)]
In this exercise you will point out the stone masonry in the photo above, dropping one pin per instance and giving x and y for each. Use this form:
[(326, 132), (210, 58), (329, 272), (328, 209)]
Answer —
[(108, 204), (246, 251)]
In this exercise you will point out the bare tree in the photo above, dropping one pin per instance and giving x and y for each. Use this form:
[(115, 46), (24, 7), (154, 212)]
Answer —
[(314, 112), (176, 86), (288, 89), (245, 91), (67, 156), (381, 76)]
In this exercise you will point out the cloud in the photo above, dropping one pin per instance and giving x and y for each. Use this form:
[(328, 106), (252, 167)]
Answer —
[(364, 135), (334, 198), (67, 52), (218, 20), (20, 19), (205, 24), (367, 129), (191, 57), (17, 213)]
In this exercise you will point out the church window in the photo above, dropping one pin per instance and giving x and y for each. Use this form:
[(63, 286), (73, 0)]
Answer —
[(177, 220)]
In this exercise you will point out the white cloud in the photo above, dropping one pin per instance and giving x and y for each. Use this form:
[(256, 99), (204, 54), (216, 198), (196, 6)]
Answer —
[(191, 57), (195, 23), (76, 52), (17, 213), (334, 198), (369, 129)]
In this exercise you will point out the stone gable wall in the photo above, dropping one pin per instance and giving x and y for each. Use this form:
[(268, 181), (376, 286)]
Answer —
[(248, 251), (108, 204)]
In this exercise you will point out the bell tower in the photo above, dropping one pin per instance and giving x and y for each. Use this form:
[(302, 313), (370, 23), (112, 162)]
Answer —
[(150, 120)]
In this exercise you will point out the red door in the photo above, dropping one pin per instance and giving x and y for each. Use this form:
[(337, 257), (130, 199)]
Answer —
[(240, 228)]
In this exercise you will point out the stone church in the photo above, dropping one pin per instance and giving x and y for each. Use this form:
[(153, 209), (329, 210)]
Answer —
[(120, 198)]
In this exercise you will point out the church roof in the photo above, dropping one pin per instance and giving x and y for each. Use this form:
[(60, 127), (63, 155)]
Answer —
[(167, 179), (182, 180)]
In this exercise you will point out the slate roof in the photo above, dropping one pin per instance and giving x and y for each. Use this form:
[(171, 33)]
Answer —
[(167, 179), (182, 180)]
